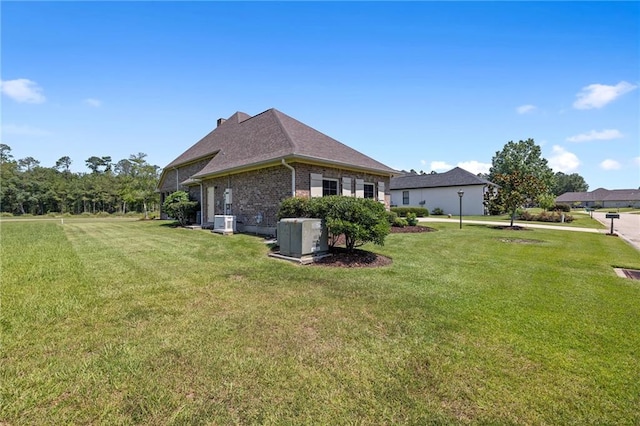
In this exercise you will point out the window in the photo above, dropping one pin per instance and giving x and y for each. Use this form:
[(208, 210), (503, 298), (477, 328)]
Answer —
[(329, 187), (369, 190), (405, 197)]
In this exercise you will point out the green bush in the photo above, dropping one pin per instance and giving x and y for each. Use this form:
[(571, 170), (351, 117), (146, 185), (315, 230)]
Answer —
[(437, 211), (554, 216), (400, 222), (360, 220), (392, 217), (294, 207), (418, 211), (561, 208), (6, 214), (179, 207), (412, 219)]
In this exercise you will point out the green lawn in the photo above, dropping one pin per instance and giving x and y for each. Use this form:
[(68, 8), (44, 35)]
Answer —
[(123, 322)]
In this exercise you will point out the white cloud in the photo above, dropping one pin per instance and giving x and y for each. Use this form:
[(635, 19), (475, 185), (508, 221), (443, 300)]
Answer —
[(609, 164), (603, 135), (440, 166), (423, 162), (524, 109), (13, 129), (96, 103), (23, 90), (636, 161), (562, 160), (475, 167), (598, 95)]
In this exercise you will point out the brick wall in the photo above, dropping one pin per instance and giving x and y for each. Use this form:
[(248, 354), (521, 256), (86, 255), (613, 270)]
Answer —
[(260, 192), (254, 193)]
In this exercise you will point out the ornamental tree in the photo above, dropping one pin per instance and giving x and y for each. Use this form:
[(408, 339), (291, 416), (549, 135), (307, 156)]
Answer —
[(522, 175), (179, 207)]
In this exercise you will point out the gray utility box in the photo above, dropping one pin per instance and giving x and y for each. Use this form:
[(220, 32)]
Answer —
[(302, 237)]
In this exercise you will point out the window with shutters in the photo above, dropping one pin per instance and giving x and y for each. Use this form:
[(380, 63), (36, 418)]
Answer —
[(329, 187), (369, 190)]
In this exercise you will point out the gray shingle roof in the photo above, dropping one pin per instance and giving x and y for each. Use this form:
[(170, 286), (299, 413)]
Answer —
[(454, 177), (600, 194), (244, 141)]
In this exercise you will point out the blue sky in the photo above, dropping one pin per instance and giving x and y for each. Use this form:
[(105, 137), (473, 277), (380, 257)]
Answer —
[(415, 85)]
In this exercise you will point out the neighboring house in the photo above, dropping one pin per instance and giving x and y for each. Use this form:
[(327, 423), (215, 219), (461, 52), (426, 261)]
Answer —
[(602, 198), (440, 190), (247, 165)]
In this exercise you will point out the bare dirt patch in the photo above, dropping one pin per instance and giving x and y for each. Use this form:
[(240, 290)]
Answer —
[(519, 241)]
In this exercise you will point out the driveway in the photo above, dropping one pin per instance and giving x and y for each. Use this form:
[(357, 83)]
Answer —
[(627, 227)]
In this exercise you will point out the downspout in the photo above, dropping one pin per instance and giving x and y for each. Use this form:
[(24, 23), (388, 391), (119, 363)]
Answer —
[(293, 177)]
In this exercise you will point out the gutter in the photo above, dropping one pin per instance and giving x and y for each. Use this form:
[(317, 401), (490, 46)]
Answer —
[(293, 177)]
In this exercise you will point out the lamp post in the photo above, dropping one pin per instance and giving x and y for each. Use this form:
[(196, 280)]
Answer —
[(460, 194)]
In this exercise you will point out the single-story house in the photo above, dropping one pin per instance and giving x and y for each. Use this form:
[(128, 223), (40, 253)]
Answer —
[(440, 190), (248, 164), (602, 198)]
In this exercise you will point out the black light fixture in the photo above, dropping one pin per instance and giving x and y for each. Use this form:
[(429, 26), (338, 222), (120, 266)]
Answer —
[(460, 194)]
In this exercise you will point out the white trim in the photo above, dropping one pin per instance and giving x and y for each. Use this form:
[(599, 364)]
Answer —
[(331, 180)]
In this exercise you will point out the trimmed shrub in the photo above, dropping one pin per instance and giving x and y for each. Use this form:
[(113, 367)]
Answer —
[(6, 214), (561, 208), (412, 219), (360, 220), (555, 216), (179, 207), (392, 217), (437, 212), (400, 222), (418, 211), (294, 207)]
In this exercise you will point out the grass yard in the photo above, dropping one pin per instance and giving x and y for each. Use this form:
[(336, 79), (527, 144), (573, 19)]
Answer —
[(125, 322)]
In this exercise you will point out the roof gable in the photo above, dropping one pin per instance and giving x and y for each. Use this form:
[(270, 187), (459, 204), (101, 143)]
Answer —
[(244, 141), (454, 177)]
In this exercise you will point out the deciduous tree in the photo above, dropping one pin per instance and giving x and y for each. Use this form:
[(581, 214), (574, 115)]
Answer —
[(522, 175)]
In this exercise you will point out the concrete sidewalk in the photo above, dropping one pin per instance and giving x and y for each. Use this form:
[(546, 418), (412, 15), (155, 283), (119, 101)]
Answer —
[(518, 223)]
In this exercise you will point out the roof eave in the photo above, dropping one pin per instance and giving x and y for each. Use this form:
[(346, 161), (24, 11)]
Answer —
[(323, 161)]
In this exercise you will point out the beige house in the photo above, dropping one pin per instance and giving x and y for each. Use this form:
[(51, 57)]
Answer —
[(248, 164)]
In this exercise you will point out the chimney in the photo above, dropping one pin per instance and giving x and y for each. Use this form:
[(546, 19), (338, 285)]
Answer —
[(220, 121)]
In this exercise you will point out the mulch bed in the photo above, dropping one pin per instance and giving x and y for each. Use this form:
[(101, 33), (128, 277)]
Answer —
[(411, 229), (511, 228), (357, 258)]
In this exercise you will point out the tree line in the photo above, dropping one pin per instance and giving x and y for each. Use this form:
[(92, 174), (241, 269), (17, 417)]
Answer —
[(125, 186)]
